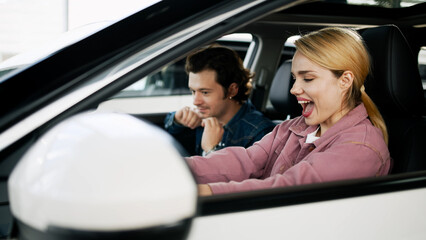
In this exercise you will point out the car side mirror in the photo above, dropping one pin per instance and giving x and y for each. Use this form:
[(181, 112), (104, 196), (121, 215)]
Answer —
[(103, 175)]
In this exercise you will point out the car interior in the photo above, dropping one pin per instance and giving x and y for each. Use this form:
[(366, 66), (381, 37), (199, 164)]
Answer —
[(395, 84)]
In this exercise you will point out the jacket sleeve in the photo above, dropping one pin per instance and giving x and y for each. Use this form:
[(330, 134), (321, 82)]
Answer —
[(268, 126), (185, 136), (338, 162), (233, 163), (171, 126)]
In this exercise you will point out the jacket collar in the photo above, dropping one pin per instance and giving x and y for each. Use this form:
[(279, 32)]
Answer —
[(352, 118), (245, 107)]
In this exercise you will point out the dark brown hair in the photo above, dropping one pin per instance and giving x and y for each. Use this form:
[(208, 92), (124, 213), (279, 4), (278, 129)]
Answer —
[(228, 67)]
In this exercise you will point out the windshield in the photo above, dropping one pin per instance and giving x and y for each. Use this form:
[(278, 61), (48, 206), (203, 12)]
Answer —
[(385, 3), (38, 28)]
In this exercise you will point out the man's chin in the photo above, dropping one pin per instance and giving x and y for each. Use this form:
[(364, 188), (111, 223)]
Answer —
[(200, 113), (203, 116)]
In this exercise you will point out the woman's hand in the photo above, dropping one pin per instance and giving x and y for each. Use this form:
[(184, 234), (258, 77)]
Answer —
[(204, 190)]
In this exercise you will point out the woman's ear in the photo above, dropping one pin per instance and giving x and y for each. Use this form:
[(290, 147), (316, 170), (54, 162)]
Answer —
[(232, 90), (346, 80)]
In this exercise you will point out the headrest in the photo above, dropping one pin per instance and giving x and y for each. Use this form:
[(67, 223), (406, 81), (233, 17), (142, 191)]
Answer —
[(280, 96), (394, 83)]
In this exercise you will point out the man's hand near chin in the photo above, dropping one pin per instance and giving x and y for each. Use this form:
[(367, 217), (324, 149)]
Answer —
[(213, 133), (188, 118)]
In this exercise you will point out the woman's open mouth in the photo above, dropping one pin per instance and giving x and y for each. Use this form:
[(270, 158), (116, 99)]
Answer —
[(308, 107)]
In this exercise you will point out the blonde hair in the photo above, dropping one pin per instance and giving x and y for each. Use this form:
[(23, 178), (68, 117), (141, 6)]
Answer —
[(340, 50)]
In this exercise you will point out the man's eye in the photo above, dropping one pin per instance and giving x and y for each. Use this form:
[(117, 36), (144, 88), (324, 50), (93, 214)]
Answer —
[(204, 93)]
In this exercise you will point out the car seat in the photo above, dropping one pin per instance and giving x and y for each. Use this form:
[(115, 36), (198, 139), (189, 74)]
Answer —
[(395, 87), (280, 97)]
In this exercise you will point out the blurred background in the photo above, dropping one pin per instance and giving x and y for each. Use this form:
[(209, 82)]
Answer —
[(28, 24), (34, 27)]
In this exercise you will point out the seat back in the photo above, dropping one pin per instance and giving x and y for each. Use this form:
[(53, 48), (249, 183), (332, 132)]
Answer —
[(281, 99), (395, 87)]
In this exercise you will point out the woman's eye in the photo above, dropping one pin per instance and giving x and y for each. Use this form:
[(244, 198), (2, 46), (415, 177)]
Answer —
[(308, 79)]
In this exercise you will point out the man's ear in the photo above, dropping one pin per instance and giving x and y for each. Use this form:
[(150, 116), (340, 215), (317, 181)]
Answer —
[(232, 90), (346, 80)]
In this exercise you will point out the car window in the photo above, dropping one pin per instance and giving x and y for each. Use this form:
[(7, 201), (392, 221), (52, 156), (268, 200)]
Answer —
[(286, 54), (289, 48), (422, 66), (172, 78)]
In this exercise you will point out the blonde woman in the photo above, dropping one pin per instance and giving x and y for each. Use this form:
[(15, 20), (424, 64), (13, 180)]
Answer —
[(340, 135)]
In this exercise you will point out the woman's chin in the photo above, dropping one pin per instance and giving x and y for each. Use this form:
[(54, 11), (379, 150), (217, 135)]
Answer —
[(311, 121)]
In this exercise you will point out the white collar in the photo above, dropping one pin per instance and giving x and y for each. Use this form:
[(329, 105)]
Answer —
[(310, 138)]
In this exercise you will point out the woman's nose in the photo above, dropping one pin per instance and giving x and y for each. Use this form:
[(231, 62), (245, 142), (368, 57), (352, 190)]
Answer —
[(296, 89)]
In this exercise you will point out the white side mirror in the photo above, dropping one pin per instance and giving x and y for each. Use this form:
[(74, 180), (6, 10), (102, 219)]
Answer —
[(97, 174)]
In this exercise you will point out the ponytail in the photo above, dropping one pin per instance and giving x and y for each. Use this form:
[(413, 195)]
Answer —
[(374, 114)]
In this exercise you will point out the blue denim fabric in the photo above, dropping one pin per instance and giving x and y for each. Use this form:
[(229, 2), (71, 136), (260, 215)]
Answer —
[(244, 129)]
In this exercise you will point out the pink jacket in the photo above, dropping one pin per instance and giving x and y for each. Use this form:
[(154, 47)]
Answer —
[(351, 148)]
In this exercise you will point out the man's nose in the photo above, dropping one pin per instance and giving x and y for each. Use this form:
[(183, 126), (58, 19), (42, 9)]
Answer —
[(197, 98)]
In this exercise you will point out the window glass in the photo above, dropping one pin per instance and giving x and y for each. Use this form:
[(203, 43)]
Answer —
[(422, 66), (172, 78), (287, 54), (382, 3)]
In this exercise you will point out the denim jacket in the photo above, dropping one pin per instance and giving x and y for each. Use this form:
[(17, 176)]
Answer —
[(245, 128)]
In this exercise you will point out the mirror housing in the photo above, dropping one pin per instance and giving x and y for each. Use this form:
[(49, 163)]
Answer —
[(96, 175)]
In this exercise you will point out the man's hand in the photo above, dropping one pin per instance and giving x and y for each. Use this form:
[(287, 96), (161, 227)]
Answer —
[(213, 132), (188, 118)]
